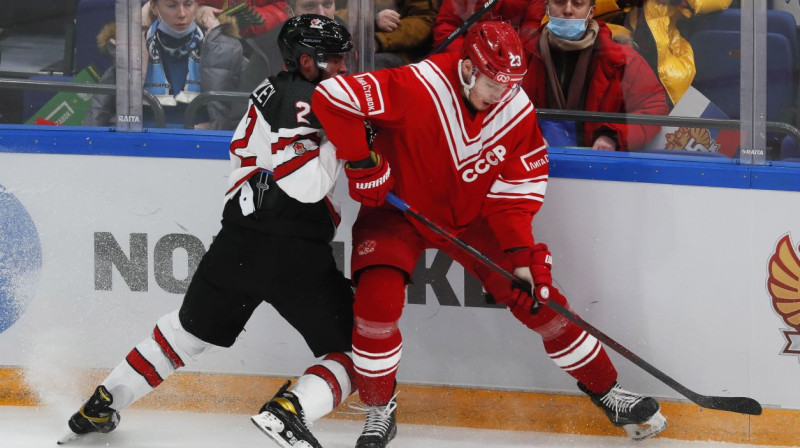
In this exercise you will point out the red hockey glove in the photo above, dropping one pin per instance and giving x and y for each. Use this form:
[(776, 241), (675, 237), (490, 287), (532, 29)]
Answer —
[(533, 266), (521, 298), (369, 185), (541, 265)]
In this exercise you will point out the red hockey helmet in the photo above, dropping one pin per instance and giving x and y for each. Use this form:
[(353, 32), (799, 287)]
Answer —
[(496, 51)]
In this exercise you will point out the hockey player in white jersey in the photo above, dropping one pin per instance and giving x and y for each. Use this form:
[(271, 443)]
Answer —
[(277, 224)]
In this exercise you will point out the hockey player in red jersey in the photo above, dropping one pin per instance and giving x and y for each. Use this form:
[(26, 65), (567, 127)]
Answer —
[(273, 247), (457, 139)]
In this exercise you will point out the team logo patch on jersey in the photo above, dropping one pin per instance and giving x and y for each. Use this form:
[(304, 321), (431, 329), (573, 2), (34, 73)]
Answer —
[(299, 148), (535, 159), (366, 247), (784, 289)]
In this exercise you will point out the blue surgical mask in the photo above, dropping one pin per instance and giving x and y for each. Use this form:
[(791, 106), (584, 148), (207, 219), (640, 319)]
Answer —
[(170, 31), (567, 29)]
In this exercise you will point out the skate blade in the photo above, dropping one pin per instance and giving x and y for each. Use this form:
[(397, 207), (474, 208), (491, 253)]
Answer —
[(651, 427), (68, 437), (272, 426)]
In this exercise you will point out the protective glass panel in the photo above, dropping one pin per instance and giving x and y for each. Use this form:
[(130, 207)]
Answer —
[(646, 72), (780, 84), (57, 59), (36, 53)]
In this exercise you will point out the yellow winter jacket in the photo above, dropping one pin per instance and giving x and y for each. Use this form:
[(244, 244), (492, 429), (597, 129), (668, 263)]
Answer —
[(675, 57)]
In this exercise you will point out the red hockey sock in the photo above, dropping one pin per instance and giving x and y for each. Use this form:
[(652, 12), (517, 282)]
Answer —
[(581, 355), (572, 349), (377, 342)]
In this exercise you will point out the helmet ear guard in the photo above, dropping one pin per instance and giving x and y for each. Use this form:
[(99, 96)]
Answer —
[(466, 86), (315, 35)]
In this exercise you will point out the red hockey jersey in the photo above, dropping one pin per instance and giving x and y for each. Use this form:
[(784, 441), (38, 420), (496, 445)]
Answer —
[(448, 161)]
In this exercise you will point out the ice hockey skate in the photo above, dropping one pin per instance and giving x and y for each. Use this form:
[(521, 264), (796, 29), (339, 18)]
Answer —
[(639, 415), (282, 419), (380, 426), (96, 415)]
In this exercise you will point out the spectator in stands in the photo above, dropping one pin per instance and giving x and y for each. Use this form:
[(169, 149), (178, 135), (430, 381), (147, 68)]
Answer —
[(575, 64), (186, 54), (653, 27), (266, 59), (403, 31), (271, 12), (524, 15)]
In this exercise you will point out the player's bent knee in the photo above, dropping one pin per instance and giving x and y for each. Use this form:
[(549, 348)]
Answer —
[(380, 295), (548, 323), (180, 346), (376, 330)]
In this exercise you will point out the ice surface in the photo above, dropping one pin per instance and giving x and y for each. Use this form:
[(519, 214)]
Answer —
[(36, 427)]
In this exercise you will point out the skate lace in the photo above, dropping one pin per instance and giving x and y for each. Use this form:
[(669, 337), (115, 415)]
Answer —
[(620, 400), (306, 422), (377, 422)]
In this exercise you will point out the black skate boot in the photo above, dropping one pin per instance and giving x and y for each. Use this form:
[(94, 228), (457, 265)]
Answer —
[(282, 419), (639, 415), (96, 415), (380, 426)]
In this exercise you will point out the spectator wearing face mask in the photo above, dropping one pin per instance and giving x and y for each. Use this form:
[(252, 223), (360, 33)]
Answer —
[(576, 65), (184, 54)]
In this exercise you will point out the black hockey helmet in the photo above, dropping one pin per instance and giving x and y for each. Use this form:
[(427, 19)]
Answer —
[(314, 35)]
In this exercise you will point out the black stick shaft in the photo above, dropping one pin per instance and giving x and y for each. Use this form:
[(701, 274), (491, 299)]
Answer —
[(464, 26), (741, 405)]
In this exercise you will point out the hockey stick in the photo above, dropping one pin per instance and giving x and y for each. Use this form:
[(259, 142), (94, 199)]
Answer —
[(742, 405), (464, 26)]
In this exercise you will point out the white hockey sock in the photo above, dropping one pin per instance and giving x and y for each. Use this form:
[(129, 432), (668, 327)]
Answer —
[(154, 359), (325, 385)]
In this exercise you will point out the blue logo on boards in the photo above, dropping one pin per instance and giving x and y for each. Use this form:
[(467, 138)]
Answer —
[(20, 259)]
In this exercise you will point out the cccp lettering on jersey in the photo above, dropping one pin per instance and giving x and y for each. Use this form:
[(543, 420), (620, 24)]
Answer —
[(490, 158)]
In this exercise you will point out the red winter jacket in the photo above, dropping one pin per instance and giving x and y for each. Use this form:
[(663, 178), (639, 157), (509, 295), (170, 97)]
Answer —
[(521, 14), (620, 81), (273, 12)]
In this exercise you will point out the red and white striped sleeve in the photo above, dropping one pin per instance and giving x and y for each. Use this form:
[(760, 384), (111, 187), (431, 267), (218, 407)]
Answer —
[(307, 168), (342, 104)]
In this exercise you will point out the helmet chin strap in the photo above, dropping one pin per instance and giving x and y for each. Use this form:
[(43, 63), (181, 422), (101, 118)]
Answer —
[(322, 68), (466, 87)]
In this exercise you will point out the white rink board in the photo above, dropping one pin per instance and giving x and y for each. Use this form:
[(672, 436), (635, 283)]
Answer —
[(677, 274)]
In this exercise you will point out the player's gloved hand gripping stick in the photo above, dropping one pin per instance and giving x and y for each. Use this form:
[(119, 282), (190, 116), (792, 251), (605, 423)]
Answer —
[(369, 180), (534, 264), (742, 405)]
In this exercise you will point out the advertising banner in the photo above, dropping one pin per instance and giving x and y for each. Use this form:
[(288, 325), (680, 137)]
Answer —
[(67, 108), (94, 249)]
